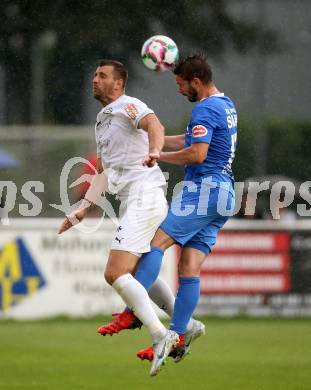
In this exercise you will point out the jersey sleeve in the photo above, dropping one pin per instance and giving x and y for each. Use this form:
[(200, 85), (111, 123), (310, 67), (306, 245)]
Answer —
[(98, 152), (202, 125), (136, 110)]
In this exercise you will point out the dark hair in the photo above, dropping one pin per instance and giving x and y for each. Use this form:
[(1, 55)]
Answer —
[(119, 70), (194, 66)]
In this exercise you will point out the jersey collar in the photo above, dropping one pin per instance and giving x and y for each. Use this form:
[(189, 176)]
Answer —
[(216, 94), (110, 105)]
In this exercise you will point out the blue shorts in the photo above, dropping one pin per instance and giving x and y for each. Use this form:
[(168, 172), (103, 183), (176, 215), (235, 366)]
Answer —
[(197, 213)]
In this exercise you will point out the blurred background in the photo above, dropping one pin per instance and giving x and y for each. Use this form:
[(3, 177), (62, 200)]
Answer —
[(259, 50), (260, 53)]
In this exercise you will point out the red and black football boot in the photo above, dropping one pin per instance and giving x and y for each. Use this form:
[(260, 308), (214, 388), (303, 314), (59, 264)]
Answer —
[(147, 353), (122, 321)]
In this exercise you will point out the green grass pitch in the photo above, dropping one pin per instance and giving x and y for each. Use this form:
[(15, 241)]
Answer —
[(62, 354)]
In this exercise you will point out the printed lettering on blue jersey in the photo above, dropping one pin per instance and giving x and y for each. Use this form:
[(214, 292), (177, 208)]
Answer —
[(214, 121)]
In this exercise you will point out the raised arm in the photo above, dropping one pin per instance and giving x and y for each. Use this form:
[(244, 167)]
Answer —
[(155, 130)]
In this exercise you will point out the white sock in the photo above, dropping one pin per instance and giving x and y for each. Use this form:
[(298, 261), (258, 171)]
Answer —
[(136, 297), (163, 297)]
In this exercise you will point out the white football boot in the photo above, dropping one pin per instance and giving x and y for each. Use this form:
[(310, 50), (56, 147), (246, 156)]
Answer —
[(161, 350), (197, 330)]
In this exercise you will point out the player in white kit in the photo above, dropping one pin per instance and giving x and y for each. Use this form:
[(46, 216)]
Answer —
[(129, 139)]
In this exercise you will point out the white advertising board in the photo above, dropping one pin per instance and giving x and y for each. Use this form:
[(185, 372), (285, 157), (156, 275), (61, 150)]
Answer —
[(43, 274)]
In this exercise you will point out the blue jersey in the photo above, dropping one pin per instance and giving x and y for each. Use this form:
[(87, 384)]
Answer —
[(213, 121), (201, 209)]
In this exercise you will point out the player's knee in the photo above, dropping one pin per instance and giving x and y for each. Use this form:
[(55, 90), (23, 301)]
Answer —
[(110, 276), (188, 269)]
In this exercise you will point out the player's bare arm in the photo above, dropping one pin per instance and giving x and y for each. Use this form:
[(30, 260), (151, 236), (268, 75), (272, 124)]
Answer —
[(175, 142), (194, 154), (97, 187), (153, 126)]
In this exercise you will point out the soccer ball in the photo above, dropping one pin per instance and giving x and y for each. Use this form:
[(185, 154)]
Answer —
[(159, 53)]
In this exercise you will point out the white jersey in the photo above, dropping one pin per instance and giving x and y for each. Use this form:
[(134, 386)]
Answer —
[(122, 146)]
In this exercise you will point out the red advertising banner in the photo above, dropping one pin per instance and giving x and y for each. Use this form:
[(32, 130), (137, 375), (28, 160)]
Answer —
[(252, 242), (274, 262), (223, 283), (248, 263)]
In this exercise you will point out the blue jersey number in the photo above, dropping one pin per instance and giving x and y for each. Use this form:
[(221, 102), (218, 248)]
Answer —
[(233, 147)]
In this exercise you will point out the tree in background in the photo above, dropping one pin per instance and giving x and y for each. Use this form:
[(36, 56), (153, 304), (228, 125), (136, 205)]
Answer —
[(65, 33)]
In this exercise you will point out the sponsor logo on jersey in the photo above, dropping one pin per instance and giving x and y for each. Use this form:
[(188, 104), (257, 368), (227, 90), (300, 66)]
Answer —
[(106, 142), (103, 141), (103, 125), (107, 110), (19, 275), (131, 111), (199, 131)]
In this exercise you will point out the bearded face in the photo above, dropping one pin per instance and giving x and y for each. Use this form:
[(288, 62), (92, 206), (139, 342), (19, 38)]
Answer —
[(186, 89), (103, 83)]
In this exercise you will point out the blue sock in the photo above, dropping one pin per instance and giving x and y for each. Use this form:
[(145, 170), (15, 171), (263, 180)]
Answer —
[(148, 268), (186, 301)]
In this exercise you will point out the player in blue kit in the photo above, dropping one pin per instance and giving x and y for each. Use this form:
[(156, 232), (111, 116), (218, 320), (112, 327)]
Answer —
[(203, 204), (207, 198)]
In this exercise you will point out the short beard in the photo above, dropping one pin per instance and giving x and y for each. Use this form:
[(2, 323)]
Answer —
[(192, 95), (100, 99)]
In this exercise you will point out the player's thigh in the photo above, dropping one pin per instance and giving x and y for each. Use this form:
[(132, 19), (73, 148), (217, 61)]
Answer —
[(188, 215), (221, 209), (181, 228), (140, 221), (120, 263), (162, 240), (205, 239)]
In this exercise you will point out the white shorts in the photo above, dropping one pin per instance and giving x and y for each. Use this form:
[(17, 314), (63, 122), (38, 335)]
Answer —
[(141, 213)]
